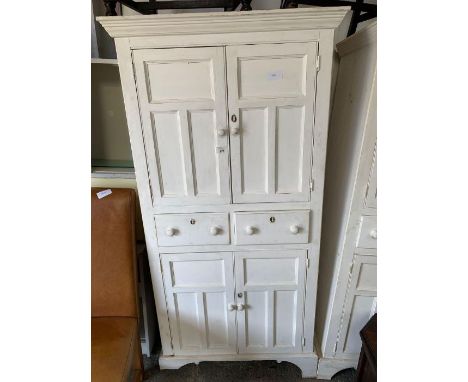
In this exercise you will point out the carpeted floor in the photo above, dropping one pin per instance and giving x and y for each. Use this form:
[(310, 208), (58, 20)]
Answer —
[(254, 371)]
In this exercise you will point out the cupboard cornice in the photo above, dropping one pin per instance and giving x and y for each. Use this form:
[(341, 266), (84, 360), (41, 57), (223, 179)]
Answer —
[(227, 22)]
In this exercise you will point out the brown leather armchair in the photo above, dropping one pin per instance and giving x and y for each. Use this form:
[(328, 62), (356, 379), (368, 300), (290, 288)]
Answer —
[(115, 343)]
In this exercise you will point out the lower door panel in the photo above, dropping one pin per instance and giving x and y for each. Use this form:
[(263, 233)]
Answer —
[(270, 299), (199, 288)]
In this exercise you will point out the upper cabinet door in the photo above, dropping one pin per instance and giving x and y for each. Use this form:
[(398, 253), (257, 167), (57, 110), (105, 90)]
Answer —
[(271, 100), (182, 98)]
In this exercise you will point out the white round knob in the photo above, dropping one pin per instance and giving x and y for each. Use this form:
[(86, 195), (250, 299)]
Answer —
[(214, 230), (234, 130), (373, 234), (232, 307), (221, 132), (249, 230), (240, 307), (170, 231), (294, 229)]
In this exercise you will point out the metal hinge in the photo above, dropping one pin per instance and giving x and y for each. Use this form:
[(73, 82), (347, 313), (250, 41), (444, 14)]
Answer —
[(317, 63), (307, 263), (334, 347), (311, 185), (303, 341), (161, 267)]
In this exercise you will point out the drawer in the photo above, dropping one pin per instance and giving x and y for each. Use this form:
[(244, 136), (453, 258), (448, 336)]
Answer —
[(367, 237), (271, 227), (366, 278), (192, 229)]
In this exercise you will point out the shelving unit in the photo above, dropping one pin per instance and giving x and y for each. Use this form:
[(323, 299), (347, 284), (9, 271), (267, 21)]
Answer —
[(109, 61), (110, 154)]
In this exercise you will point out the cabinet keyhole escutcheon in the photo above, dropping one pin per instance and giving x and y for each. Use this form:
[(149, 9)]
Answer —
[(239, 295), (233, 118), (192, 221), (272, 219)]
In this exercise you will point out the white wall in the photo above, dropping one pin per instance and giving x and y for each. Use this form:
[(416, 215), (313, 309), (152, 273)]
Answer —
[(109, 133)]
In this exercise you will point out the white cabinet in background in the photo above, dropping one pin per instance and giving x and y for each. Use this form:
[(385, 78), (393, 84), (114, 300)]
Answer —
[(347, 290), (228, 117)]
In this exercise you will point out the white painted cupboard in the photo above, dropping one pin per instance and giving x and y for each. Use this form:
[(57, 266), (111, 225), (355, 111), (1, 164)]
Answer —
[(347, 288), (228, 117)]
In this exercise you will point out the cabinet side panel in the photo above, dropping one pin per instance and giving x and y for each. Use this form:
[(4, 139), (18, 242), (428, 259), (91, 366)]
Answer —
[(132, 112)]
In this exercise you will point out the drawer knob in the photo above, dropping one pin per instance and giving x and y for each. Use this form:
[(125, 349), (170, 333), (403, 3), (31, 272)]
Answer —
[(215, 230), (221, 132), (240, 307), (170, 231), (232, 307), (294, 229), (373, 234), (249, 230)]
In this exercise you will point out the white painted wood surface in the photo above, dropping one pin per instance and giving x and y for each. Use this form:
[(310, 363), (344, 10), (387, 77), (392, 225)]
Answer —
[(183, 25), (359, 304), (192, 229), (272, 227), (199, 289), (347, 288), (270, 294), (271, 103), (367, 236), (221, 295), (182, 98)]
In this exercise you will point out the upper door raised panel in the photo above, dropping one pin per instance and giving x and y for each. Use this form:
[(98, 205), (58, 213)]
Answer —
[(271, 104), (182, 99), (189, 80), (271, 77)]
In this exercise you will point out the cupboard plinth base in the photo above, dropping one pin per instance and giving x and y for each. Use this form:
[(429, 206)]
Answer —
[(328, 367), (306, 362)]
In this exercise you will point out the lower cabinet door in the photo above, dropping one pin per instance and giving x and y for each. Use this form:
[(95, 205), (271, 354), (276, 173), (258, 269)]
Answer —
[(270, 299), (199, 290), (360, 304)]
